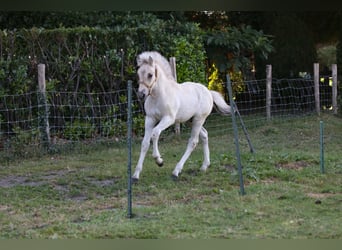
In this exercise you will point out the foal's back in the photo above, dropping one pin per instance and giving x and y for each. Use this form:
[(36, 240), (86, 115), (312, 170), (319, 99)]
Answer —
[(195, 101)]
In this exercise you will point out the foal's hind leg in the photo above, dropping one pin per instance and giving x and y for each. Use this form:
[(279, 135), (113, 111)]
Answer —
[(204, 138), (193, 141)]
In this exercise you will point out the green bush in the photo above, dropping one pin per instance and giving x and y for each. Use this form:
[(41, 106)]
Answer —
[(78, 130), (189, 61), (90, 58)]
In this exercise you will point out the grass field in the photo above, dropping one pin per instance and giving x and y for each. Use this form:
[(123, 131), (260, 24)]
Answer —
[(84, 194)]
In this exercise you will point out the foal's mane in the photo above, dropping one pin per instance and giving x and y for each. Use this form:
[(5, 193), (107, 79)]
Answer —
[(143, 58)]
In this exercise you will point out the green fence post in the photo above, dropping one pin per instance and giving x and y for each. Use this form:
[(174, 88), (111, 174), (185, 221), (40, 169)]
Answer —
[(129, 145), (236, 136), (321, 132)]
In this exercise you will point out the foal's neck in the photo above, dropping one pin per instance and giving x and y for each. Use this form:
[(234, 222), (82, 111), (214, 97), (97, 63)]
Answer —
[(164, 83)]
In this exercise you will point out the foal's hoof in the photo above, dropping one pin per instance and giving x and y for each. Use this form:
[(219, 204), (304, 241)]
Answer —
[(174, 178), (135, 180), (159, 162)]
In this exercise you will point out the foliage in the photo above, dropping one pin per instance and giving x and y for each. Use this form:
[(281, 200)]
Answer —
[(112, 125), (189, 60), (295, 47), (234, 51), (79, 130), (215, 82), (85, 55), (139, 125), (326, 56), (238, 45), (237, 80), (56, 19), (14, 77)]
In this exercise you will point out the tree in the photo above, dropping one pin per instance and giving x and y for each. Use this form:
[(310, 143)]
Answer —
[(231, 42), (323, 25), (234, 49), (296, 36), (294, 46), (339, 60)]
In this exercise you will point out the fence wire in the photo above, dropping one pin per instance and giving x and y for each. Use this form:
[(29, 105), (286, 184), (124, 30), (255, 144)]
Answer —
[(92, 117)]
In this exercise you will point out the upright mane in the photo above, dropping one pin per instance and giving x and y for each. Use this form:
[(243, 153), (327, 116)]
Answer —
[(157, 58)]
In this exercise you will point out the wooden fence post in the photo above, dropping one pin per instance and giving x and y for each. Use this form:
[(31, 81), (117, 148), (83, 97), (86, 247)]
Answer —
[(316, 87), (268, 91), (334, 88), (43, 109), (173, 67), (172, 61)]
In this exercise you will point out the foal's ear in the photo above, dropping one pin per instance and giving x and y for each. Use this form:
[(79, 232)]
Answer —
[(139, 62), (150, 61)]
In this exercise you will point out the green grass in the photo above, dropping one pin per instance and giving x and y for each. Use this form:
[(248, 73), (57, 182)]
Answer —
[(84, 195)]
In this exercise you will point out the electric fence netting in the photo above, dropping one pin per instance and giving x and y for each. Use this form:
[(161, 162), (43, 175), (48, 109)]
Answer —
[(82, 118), (79, 118), (291, 98)]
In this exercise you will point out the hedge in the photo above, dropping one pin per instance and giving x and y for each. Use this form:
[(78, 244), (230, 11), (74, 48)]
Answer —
[(79, 56)]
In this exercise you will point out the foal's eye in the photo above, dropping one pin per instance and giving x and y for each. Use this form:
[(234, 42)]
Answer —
[(149, 75)]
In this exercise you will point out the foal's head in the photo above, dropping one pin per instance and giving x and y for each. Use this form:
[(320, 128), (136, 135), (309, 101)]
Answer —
[(147, 74)]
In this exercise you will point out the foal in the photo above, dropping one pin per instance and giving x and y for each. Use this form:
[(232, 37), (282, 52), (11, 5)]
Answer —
[(167, 102)]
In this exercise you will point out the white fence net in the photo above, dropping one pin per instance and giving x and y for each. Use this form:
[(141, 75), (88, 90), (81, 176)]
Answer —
[(92, 117)]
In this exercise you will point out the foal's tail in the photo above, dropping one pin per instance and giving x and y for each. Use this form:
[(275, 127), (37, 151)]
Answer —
[(219, 103)]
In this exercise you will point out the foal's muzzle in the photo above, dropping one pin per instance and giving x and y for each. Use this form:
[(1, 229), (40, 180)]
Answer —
[(143, 91), (141, 95)]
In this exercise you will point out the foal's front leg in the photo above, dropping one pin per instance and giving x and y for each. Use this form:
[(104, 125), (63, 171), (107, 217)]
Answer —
[(149, 124), (164, 123)]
